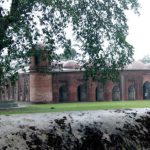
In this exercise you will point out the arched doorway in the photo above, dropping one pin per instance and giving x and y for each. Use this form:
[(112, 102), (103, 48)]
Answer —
[(63, 93), (82, 92), (146, 90), (131, 92), (99, 93), (116, 93)]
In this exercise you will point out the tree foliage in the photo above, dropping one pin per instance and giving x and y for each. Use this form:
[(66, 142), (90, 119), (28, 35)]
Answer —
[(99, 25), (145, 59), (69, 52)]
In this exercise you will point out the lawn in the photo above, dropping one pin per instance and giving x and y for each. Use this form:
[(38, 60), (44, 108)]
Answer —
[(80, 106)]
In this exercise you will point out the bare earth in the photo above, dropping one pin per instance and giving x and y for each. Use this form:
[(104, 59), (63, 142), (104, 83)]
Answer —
[(86, 130)]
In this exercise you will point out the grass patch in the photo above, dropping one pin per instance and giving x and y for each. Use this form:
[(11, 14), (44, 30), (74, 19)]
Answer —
[(78, 106)]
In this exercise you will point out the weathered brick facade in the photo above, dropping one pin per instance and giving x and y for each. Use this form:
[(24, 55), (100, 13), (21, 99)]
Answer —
[(69, 86), (130, 87), (42, 86), (19, 91)]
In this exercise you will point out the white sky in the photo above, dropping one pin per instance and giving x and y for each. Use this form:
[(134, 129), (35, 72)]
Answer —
[(139, 30)]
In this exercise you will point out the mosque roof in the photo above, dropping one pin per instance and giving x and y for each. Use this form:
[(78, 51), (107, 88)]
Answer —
[(71, 64), (138, 65), (74, 65)]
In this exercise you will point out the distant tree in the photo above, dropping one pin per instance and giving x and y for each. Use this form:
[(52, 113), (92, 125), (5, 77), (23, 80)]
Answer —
[(69, 52), (145, 59), (99, 25)]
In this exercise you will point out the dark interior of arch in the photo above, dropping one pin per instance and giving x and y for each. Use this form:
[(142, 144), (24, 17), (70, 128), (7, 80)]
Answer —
[(146, 90), (82, 92), (99, 93), (131, 92), (63, 93), (116, 93)]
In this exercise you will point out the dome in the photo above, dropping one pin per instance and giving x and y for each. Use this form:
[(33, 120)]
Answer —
[(137, 65), (71, 64)]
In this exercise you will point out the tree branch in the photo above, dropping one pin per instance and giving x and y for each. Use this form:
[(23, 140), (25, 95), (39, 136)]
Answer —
[(1, 12), (14, 7)]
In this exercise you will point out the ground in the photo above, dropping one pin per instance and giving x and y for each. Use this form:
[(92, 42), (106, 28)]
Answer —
[(120, 129), (77, 106)]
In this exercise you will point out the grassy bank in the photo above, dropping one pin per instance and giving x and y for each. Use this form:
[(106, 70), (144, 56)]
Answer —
[(61, 107)]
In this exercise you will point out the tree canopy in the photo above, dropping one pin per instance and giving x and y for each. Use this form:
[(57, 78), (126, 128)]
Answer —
[(145, 59), (69, 52), (99, 25)]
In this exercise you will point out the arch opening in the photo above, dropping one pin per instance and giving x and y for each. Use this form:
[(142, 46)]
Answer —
[(146, 90), (82, 92), (63, 93), (116, 93), (99, 93), (131, 92)]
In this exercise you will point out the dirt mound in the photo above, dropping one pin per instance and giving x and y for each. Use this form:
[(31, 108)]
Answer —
[(91, 130)]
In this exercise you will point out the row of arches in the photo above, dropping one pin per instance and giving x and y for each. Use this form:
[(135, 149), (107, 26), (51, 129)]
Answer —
[(82, 92), (146, 91)]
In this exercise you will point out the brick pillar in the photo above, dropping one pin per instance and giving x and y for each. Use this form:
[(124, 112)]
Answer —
[(72, 88), (108, 91), (40, 77), (40, 88), (122, 87), (91, 91), (72, 93)]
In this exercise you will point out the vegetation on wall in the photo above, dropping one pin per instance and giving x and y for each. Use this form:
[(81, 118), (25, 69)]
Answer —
[(100, 27)]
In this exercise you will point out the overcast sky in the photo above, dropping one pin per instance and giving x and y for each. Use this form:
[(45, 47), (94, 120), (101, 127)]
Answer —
[(139, 30)]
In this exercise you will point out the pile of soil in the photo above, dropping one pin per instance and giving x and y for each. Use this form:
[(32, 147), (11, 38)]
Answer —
[(85, 130)]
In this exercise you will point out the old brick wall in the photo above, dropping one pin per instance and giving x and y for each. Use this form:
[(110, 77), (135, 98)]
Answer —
[(128, 78), (72, 80), (69, 86), (136, 78), (40, 87), (19, 91)]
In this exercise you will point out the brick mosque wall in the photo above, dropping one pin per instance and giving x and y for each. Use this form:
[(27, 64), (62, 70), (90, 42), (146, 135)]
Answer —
[(19, 91), (70, 87), (73, 81), (128, 78)]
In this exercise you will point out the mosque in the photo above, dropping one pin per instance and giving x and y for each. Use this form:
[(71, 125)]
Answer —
[(66, 84)]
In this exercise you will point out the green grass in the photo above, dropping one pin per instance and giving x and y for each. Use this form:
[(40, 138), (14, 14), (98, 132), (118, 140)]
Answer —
[(61, 107)]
